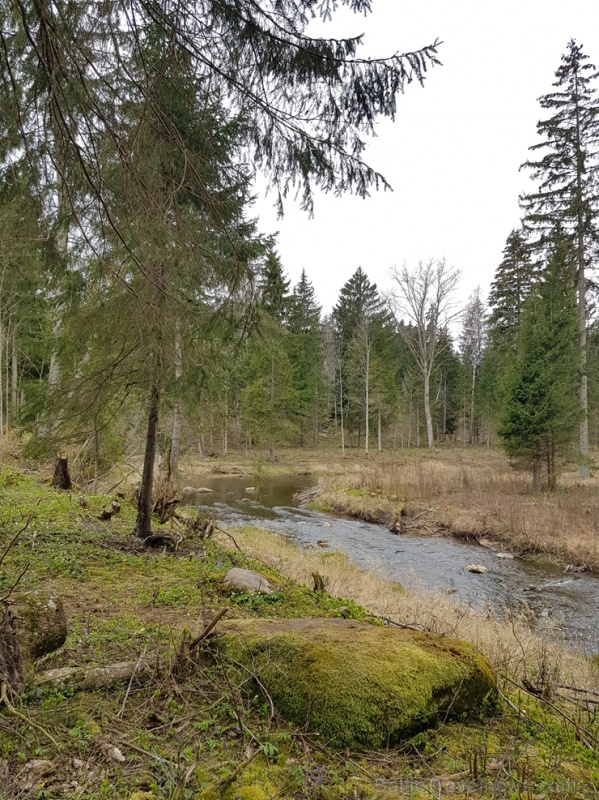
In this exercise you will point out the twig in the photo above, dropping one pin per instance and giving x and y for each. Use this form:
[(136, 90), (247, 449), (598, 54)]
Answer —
[(228, 779), (222, 530), (16, 582), (209, 627), (122, 708), (577, 689), (13, 710), (412, 626), (16, 536), (140, 750)]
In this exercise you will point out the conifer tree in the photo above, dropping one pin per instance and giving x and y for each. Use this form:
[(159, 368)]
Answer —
[(97, 76), (473, 342), (567, 197), (541, 414), (359, 317), (274, 288), (306, 353), (512, 284), (269, 401)]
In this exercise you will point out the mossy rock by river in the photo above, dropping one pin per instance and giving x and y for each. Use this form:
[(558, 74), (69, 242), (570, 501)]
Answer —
[(359, 686)]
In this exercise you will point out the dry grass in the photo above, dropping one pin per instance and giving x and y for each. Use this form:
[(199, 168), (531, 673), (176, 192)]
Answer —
[(510, 643), (475, 493)]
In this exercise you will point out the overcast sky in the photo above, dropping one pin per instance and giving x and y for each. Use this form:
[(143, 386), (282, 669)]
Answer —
[(453, 153)]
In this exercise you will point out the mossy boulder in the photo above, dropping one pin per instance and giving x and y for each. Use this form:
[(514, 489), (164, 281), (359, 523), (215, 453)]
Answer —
[(357, 685)]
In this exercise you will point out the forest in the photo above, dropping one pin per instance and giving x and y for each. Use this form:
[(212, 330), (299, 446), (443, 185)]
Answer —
[(150, 336), (134, 276)]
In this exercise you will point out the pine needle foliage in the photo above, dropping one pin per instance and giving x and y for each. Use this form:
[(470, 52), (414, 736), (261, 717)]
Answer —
[(541, 412)]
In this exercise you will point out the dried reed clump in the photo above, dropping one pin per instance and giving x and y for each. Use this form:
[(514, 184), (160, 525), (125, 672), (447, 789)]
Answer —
[(480, 495), (510, 643)]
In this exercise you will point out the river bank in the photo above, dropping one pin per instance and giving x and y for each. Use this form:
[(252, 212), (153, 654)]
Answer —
[(180, 735), (469, 493)]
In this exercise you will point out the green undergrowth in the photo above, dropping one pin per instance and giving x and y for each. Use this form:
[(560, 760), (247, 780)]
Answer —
[(185, 729)]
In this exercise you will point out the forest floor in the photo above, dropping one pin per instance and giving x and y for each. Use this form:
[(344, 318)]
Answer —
[(471, 493), (188, 736)]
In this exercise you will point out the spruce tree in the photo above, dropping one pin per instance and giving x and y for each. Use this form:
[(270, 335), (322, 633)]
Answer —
[(567, 196), (358, 317), (306, 352), (102, 78), (274, 288), (269, 400), (541, 414), (514, 278)]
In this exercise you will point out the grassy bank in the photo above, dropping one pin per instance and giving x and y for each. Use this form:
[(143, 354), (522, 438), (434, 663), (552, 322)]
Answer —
[(193, 735), (475, 494)]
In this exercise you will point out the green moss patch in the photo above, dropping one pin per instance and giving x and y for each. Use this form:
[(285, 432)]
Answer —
[(357, 685)]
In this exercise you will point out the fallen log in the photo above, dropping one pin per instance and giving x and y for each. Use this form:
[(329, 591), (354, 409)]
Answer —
[(89, 678)]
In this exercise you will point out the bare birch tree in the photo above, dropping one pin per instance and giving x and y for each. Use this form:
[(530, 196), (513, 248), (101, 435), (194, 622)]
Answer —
[(424, 298)]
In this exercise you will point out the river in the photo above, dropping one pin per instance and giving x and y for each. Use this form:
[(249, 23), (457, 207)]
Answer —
[(565, 603)]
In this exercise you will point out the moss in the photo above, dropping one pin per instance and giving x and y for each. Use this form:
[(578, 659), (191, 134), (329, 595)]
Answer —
[(259, 781), (357, 685)]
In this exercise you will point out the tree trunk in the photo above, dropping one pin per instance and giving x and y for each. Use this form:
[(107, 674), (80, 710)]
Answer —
[(226, 424), (582, 340), (316, 415), (143, 523), (427, 411), (341, 411), (551, 472), (367, 401), (14, 373), (379, 441), (173, 460), (62, 478), (31, 625), (271, 446), (536, 474), (173, 457), (472, 404)]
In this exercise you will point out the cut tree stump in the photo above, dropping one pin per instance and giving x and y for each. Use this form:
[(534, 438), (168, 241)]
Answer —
[(32, 624), (62, 478)]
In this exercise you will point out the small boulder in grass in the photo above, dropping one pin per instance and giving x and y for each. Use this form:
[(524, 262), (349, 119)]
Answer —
[(245, 580)]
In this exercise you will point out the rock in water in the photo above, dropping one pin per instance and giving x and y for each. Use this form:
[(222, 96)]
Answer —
[(247, 581), (358, 686), (478, 569)]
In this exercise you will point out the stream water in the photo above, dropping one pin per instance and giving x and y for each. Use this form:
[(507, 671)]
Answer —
[(565, 604)]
